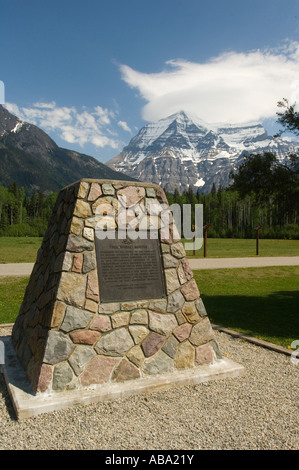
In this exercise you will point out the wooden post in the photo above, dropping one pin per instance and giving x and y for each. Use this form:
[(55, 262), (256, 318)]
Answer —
[(205, 229), (193, 230), (257, 230)]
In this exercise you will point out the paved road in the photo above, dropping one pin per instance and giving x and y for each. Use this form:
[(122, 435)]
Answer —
[(16, 269), (217, 263), (24, 269)]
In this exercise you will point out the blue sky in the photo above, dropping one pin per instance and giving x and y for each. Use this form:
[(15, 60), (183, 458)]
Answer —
[(91, 73)]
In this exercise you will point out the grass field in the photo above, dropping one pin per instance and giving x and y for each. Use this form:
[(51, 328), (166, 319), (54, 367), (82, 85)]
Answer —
[(24, 249), (12, 291), (19, 249), (261, 302), (235, 248)]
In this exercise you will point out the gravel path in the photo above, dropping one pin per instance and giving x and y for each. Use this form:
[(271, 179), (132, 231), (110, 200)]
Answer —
[(259, 411)]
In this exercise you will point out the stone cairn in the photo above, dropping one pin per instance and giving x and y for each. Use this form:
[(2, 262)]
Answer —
[(66, 338)]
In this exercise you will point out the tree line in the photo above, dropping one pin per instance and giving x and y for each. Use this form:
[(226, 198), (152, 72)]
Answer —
[(22, 215), (232, 216), (229, 214)]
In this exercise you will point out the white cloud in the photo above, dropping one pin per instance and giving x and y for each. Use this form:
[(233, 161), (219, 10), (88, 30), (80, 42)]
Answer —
[(41, 104), (124, 126), (233, 87), (73, 126), (13, 108), (104, 114)]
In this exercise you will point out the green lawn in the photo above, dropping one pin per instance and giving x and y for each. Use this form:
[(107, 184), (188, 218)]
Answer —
[(12, 291), (19, 249), (261, 302), (235, 248), (24, 249)]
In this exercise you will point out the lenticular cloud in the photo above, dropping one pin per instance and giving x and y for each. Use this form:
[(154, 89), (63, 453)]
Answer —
[(233, 87)]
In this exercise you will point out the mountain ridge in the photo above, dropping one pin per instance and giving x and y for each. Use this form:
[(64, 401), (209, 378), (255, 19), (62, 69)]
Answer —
[(182, 150), (33, 160)]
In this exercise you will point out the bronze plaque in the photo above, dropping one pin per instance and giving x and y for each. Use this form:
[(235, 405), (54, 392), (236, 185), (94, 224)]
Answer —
[(129, 269)]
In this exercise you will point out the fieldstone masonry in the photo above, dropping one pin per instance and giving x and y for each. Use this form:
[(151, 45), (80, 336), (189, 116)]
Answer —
[(66, 338)]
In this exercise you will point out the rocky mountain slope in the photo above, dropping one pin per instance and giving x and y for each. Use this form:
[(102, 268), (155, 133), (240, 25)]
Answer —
[(32, 159), (181, 150)]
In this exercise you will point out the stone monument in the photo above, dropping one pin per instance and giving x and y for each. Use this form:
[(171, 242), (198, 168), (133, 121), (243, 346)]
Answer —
[(110, 311)]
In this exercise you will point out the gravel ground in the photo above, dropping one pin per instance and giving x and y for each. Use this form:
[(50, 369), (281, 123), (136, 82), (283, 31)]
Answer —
[(259, 411)]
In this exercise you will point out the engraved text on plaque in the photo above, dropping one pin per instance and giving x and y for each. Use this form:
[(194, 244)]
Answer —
[(129, 269)]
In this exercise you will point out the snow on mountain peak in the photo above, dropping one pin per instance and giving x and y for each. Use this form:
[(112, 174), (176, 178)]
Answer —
[(182, 150), (18, 126)]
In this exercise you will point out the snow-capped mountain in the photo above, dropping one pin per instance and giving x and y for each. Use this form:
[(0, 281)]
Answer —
[(181, 151)]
